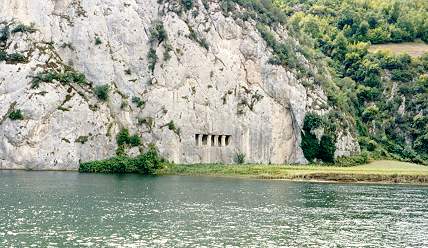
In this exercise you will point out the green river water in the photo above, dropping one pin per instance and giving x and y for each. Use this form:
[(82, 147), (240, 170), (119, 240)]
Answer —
[(67, 209)]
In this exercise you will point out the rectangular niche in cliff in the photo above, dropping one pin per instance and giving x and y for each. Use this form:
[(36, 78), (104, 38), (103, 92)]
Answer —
[(197, 136), (228, 138), (204, 139), (212, 140)]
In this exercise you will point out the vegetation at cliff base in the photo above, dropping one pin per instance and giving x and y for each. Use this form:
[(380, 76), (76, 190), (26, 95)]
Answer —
[(147, 163), (379, 171), (313, 148)]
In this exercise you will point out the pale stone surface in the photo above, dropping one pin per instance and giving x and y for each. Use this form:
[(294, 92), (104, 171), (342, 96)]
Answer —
[(208, 92)]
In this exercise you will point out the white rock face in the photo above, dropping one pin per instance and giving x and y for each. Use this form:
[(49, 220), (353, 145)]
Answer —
[(222, 101)]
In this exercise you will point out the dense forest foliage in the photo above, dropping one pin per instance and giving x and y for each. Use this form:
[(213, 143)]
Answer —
[(375, 21), (384, 95), (387, 93)]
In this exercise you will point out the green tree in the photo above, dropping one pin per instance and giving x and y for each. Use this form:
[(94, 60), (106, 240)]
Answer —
[(310, 146), (340, 45), (311, 122), (327, 148), (363, 29)]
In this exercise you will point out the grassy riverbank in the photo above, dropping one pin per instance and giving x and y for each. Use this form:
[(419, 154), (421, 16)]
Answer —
[(378, 171)]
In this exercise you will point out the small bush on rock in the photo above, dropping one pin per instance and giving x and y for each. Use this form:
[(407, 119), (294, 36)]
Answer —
[(188, 4), (3, 55), (102, 91), (16, 58), (134, 140), (158, 33), (124, 138), (98, 41), (239, 158), (4, 34), (16, 115), (137, 101), (22, 28), (152, 59), (65, 78)]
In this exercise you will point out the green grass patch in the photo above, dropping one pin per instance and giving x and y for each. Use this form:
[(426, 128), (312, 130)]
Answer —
[(379, 171)]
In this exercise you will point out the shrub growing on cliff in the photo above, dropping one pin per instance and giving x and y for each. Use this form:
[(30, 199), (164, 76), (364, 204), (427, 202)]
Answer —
[(16, 115), (101, 91), (3, 55), (283, 53), (312, 121), (98, 41), (152, 59), (134, 140), (239, 158), (4, 34), (22, 28), (16, 58), (82, 139), (124, 138), (158, 33), (65, 78), (195, 36), (188, 4), (137, 101)]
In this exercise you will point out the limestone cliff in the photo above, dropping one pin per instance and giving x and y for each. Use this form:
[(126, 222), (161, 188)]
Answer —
[(201, 92)]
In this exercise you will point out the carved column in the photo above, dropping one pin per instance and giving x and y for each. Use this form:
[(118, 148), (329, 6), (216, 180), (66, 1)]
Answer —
[(223, 140), (199, 137), (209, 140), (216, 140)]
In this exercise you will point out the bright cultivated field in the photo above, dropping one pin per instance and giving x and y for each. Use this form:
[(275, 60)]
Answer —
[(414, 49)]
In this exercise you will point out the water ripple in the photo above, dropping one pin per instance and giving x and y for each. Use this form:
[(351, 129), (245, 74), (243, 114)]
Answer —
[(52, 209)]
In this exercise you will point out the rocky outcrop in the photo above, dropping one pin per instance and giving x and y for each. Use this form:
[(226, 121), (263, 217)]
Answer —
[(208, 94)]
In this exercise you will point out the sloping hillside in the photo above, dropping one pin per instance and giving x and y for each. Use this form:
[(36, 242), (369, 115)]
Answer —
[(202, 80)]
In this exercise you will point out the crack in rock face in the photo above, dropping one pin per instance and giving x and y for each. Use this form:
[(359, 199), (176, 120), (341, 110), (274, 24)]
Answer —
[(199, 85)]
